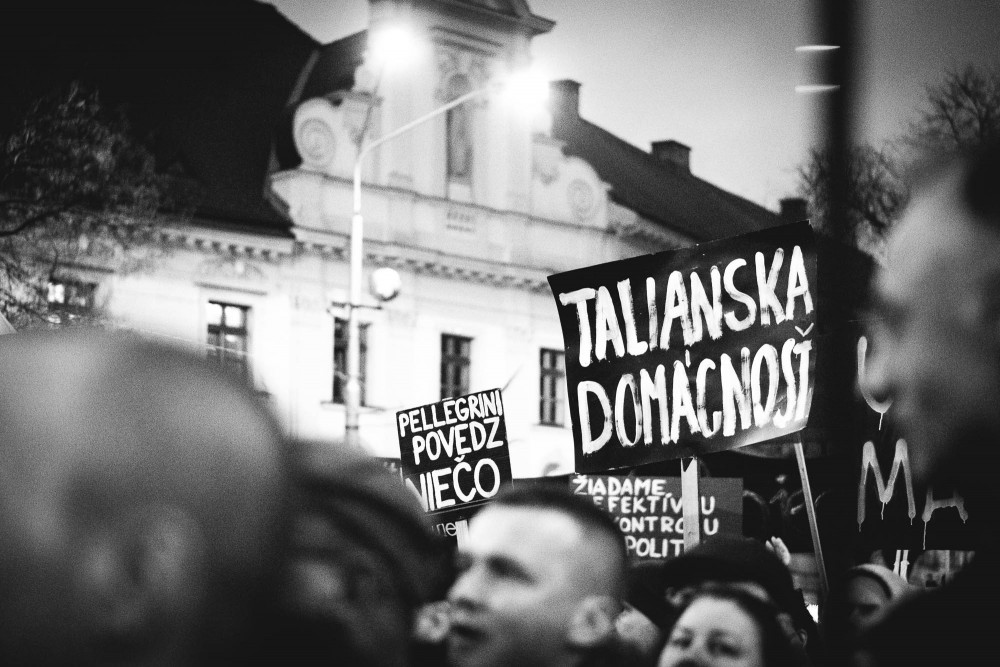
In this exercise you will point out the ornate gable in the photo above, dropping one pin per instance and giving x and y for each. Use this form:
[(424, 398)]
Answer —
[(516, 11)]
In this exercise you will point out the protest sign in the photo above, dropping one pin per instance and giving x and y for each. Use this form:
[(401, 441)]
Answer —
[(892, 511), (689, 351), (455, 455), (649, 510)]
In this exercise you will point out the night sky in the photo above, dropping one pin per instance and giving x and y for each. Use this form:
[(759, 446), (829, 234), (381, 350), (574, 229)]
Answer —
[(719, 75)]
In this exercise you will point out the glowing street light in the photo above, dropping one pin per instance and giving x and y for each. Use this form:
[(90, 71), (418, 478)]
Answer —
[(522, 88)]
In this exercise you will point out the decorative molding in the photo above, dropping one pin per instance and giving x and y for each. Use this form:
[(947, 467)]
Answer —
[(314, 131), (582, 200), (454, 60), (308, 302), (498, 276), (229, 242), (546, 167), (232, 268)]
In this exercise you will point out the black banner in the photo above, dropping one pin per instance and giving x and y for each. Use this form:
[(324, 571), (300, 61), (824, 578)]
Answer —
[(690, 351), (455, 455), (649, 513)]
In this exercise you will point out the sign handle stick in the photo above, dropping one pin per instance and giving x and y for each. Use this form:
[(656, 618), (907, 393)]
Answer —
[(807, 496), (689, 502)]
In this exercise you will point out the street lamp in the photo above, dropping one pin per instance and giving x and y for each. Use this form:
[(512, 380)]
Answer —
[(522, 84)]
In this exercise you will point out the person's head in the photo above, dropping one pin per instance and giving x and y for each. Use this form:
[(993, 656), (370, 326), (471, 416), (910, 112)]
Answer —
[(723, 626), (142, 496), (363, 559), (936, 330), (742, 563), (868, 589), (540, 581)]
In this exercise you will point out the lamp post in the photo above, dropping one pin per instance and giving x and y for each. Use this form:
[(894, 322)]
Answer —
[(352, 386), (528, 87)]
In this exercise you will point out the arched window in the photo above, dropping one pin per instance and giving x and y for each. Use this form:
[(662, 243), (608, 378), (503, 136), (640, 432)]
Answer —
[(458, 123)]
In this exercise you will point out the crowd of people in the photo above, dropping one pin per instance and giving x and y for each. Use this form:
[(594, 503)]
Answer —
[(152, 512)]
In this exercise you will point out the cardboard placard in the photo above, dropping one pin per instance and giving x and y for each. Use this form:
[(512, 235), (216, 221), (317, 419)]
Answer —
[(649, 510), (690, 351), (455, 456)]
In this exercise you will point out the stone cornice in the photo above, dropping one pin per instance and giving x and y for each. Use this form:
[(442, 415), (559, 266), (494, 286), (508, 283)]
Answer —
[(426, 261), (226, 241), (432, 263)]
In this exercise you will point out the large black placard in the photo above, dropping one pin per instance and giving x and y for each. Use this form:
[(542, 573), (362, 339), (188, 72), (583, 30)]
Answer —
[(690, 351)]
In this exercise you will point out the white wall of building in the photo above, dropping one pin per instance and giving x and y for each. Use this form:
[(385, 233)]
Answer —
[(473, 262)]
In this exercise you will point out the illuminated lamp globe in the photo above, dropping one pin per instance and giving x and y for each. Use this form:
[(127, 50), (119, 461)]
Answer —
[(385, 283)]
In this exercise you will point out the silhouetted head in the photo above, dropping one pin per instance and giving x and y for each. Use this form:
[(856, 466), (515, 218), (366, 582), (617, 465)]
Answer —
[(936, 334), (363, 559), (141, 502)]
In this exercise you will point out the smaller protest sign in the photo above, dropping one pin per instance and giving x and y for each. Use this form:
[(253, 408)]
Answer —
[(650, 513), (455, 456)]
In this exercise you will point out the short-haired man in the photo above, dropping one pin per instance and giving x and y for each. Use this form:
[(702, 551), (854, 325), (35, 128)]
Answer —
[(141, 505), (540, 582), (936, 354)]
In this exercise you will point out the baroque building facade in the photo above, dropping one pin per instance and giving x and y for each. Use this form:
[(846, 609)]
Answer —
[(474, 209)]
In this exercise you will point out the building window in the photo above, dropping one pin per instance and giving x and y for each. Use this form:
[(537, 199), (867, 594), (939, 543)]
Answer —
[(458, 124), (227, 337), (340, 360), (455, 359), (552, 387), (70, 299)]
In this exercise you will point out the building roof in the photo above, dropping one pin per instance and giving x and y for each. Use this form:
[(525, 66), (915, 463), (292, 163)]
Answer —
[(204, 84), (212, 86), (656, 188)]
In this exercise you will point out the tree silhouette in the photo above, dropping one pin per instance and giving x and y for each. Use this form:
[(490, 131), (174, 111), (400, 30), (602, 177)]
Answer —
[(961, 113), (75, 186), (875, 195)]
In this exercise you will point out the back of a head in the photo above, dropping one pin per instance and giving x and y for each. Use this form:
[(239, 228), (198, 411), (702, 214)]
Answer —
[(362, 560), (734, 559), (597, 525), (144, 493)]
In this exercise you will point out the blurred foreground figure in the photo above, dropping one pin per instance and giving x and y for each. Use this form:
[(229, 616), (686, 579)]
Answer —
[(936, 354), (857, 602), (540, 583), (362, 561), (141, 497)]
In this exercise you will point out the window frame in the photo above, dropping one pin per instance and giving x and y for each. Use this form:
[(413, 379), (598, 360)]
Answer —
[(230, 360), (451, 361), (552, 404), (65, 307), (337, 396)]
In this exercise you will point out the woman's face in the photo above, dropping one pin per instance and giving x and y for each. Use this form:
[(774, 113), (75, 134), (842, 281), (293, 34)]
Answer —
[(713, 633)]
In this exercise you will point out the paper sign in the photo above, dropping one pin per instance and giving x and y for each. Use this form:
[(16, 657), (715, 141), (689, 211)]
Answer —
[(455, 455), (649, 512), (690, 351)]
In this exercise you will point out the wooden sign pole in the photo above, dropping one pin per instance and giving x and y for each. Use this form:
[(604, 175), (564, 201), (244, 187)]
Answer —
[(807, 497), (690, 500)]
